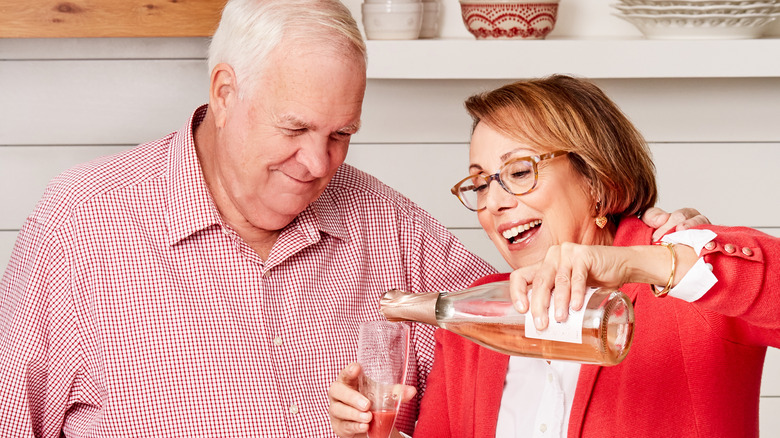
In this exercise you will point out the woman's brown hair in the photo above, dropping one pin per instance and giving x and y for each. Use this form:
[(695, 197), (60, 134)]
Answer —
[(566, 113)]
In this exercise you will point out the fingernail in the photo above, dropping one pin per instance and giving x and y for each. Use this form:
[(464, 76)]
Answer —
[(538, 322), (363, 404), (520, 306), (366, 417), (559, 315)]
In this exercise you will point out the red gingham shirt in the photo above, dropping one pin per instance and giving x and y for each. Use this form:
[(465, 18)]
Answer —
[(129, 308)]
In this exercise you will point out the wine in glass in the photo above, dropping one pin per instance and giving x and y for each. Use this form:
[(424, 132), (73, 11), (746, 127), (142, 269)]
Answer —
[(383, 349)]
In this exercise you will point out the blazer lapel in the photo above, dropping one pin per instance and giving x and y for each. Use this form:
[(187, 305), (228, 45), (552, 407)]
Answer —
[(585, 384), (489, 389), (589, 373)]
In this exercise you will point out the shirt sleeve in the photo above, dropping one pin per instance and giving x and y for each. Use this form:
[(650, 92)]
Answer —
[(700, 278), (742, 306), (38, 340)]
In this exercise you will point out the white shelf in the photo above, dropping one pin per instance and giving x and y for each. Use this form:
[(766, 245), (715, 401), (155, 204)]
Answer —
[(592, 58), (468, 58)]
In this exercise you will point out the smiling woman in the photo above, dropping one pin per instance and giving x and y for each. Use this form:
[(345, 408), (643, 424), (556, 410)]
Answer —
[(109, 18)]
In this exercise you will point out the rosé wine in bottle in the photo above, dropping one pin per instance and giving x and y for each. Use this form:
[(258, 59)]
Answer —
[(600, 333)]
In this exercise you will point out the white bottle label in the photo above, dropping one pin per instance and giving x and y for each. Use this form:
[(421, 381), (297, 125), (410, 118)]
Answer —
[(567, 331)]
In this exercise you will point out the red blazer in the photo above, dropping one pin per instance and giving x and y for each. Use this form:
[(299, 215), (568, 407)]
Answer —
[(694, 369)]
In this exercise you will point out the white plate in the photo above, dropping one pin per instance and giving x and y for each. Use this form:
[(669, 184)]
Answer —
[(697, 3), (756, 8), (700, 26)]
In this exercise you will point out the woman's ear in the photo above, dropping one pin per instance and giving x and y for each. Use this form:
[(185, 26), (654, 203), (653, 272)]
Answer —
[(223, 92)]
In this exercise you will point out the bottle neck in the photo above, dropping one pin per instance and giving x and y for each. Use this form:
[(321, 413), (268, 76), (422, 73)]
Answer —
[(397, 305)]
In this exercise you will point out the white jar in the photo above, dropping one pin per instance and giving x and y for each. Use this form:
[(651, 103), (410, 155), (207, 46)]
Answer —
[(430, 21), (392, 19)]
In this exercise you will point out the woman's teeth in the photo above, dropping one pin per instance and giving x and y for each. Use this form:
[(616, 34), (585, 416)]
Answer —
[(511, 233)]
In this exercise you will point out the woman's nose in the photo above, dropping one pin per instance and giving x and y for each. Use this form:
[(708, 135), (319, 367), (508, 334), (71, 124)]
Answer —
[(497, 198)]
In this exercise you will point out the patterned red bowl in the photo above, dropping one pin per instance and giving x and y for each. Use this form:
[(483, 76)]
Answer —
[(530, 19)]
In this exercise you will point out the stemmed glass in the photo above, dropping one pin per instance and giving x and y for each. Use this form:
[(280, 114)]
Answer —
[(383, 349)]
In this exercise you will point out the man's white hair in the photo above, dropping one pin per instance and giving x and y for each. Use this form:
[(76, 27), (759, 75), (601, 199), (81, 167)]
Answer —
[(250, 29)]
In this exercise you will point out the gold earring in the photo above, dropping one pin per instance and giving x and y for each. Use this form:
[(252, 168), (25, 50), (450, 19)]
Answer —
[(601, 220)]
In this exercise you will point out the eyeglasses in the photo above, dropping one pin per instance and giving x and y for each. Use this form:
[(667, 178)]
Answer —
[(517, 176)]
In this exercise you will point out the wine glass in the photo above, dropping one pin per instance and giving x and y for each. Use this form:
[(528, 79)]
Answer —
[(383, 349)]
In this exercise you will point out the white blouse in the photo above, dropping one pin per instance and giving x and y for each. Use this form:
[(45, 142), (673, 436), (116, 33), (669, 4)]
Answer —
[(538, 395)]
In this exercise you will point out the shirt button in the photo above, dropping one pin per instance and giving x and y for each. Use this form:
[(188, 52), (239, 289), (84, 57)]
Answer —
[(278, 341), (710, 245), (709, 266), (543, 428), (549, 377), (293, 409), (729, 248), (747, 251)]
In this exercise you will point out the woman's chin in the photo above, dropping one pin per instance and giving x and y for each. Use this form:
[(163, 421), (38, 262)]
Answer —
[(517, 261), (519, 256)]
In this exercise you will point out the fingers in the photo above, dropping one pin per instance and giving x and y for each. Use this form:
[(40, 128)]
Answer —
[(565, 270), (408, 393), (658, 219), (697, 220), (654, 217), (540, 305), (570, 280), (349, 375), (541, 291), (562, 289), (347, 422), (348, 408), (579, 285), (518, 287), (678, 220)]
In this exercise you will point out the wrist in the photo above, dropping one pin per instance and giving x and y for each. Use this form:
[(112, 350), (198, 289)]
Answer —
[(661, 292), (650, 264)]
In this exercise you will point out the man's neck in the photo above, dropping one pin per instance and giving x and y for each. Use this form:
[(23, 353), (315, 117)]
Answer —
[(260, 240)]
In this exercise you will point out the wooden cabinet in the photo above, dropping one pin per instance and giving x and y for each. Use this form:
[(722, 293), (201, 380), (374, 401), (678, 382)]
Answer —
[(108, 18)]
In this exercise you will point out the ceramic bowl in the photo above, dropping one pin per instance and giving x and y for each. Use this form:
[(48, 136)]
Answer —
[(392, 20), (531, 19)]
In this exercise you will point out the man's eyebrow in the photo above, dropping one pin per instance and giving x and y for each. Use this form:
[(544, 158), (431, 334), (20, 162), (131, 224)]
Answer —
[(292, 120), (298, 123), (352, 127)]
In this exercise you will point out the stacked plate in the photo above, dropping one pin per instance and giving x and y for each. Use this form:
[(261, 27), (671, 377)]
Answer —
[(699, 19)]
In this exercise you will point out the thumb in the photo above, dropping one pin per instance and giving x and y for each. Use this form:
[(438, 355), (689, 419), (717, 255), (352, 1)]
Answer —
[(655, 217), (408, 393), (349, 375)]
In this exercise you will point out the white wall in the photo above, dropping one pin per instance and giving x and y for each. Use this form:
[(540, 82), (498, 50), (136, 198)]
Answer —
[(716, 142)]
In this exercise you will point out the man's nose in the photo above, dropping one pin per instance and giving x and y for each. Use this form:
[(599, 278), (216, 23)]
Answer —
[(315, 156)]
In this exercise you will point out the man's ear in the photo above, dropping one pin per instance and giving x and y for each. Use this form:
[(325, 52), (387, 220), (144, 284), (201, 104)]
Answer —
[(223, 91)]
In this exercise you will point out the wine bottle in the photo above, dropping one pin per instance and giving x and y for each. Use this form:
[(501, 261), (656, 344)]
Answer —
[(600, 333)]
